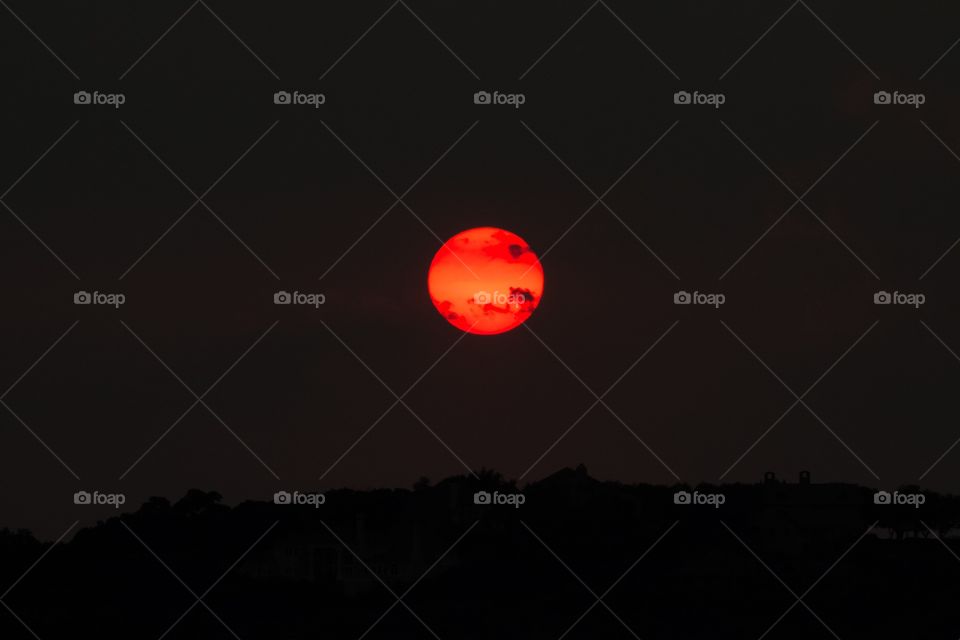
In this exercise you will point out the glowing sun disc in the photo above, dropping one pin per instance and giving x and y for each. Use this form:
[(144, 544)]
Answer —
[(485, 281)]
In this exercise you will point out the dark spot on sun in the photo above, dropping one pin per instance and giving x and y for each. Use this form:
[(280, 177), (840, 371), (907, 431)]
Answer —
[(516, 250), (525, 296)]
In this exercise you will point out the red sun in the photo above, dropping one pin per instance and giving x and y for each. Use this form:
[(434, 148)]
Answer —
[(485, 280)]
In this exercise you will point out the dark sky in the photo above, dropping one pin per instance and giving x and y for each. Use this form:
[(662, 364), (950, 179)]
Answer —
[(799, 104)]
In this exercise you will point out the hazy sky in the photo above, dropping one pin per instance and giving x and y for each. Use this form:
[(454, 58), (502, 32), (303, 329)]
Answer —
[(692, 200)]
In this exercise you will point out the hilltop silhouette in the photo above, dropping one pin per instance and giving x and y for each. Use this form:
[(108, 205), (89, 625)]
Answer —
[(477, 569)]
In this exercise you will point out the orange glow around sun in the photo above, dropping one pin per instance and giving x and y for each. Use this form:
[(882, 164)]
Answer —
[(485, 281)]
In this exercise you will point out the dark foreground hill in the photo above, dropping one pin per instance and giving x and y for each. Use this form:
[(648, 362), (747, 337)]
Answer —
[(469, 557)]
